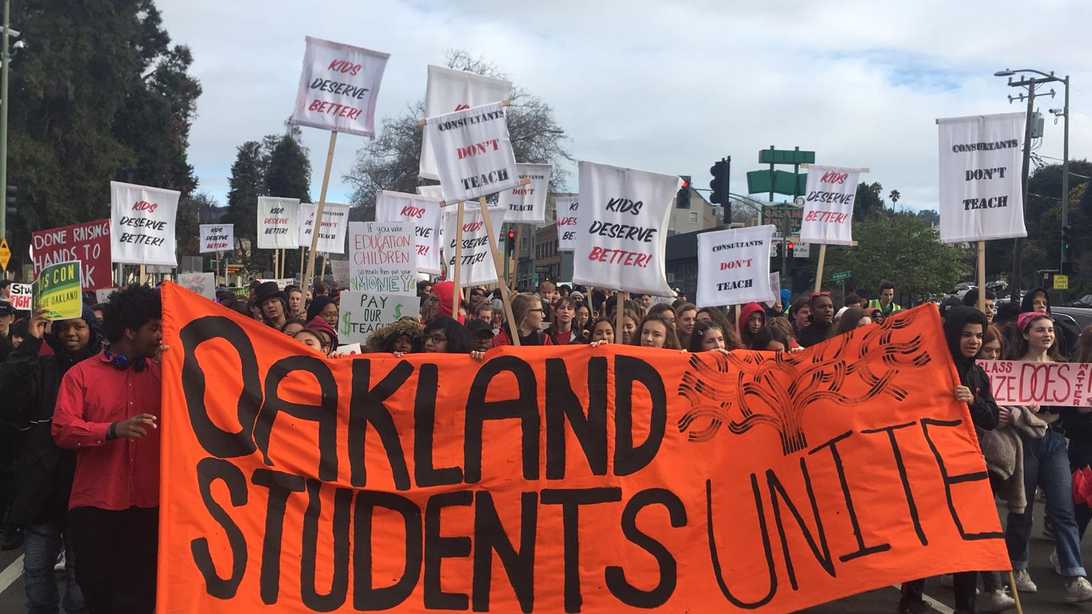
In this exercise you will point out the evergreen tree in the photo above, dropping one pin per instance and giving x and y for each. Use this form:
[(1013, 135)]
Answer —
[(288, 170), (247, 183)]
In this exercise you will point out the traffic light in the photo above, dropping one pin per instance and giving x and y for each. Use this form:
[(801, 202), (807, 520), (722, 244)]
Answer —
[(682, 199), (721, 172), (789, 246), (9, 199), (510, 242)]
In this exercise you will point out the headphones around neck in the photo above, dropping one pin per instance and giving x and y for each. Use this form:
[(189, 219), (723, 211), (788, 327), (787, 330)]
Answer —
[(121, 362)]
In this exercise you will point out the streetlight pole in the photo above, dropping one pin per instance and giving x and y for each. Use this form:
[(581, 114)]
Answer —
[(1065, 175), (6, 58)]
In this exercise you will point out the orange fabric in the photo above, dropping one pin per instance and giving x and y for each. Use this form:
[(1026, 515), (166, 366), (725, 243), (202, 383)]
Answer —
[(604, 479)]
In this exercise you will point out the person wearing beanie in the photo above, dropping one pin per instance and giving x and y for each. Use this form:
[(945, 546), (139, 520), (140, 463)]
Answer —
[(320, 326), (399, 337), (324, 307), (273, 304)]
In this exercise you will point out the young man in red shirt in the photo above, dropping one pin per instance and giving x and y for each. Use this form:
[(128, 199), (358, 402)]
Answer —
[(107, 411)]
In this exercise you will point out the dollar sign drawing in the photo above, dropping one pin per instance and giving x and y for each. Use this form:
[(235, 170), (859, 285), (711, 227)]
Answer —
[(397, 312)]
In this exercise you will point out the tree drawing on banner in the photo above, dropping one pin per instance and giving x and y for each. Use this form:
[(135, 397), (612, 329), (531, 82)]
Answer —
[(776, 390)]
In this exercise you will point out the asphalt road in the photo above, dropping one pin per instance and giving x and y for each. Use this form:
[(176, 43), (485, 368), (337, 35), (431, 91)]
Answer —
[(1047, 601)]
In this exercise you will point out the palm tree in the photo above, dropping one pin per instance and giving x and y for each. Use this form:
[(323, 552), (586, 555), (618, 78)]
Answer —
[(894, 196)]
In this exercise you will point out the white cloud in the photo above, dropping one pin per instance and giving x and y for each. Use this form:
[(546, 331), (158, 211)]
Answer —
[(666, 86)]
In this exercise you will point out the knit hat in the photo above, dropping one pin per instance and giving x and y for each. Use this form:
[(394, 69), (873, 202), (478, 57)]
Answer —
[(320, 325), (1025, 319)]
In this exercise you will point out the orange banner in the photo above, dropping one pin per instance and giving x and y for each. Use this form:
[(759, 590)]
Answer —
[(565, 479)]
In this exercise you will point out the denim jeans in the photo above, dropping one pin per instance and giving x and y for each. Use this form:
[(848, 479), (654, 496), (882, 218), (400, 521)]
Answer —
[(1046, 465), (43, 542)]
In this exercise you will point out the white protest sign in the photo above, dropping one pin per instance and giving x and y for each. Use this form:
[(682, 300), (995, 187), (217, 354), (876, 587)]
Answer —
[(828, 205), (381, 258), (335, 224), (338, 87), (1063, 384), (199, 283), (21, 296), (424, 213), (980, 167), (361, 313), (526, 204), (102, 295), (454, 90), (775, 288), (473, 154), (621, 233), (217, 237), (567, 206), (477, 263), (142, 224), (278, 220), (734, 266), (349, 349)]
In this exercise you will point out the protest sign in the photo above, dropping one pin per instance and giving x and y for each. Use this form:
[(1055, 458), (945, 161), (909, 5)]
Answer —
[(980, 169), (477, 265), (339, 270), (828, 205), (360, 313), (58, 291), (450, 90), (142, 224), (381, 258), (705, 482), (473, 154), (338, 87), (733, 266), (567, 206), (621, 233), (199, 283), (88, 242), (335, 224), (775, 289), (278, 219), (424, 213), (102, 295), (217, 237), (1061, 384), (21, 296), (526, 204)]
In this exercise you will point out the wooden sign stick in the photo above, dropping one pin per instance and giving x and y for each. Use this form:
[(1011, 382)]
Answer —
[(319, 208), (819, 271), (506, 299)]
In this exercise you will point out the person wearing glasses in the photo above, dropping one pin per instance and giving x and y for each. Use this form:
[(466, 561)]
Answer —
[(528, 313), (444, 335)]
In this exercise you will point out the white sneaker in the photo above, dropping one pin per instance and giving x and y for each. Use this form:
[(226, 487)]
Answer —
[(995, 601), (1024, 583), (59, 565), (1078, 590)]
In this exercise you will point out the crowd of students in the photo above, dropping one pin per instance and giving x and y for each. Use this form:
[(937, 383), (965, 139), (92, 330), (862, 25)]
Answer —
[(81, 404)]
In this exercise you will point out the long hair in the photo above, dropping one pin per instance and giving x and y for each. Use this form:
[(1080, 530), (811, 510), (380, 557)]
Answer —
[(1019, 346), (1084, 346), (848, 321), (731, 340), (671, 339), (458, 338), (521, 306), (571, 302)]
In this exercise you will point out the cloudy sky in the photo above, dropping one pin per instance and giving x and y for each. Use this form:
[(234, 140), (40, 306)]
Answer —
[(658, 85)]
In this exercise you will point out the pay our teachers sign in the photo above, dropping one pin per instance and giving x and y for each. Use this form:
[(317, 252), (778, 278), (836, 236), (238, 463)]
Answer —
[(622, 229), (338, 87), (142, 224), (573, 479), (381, 258), (980, 188)]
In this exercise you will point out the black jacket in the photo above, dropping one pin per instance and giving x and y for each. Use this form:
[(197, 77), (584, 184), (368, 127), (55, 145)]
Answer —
[(28, 386), (984, 412), (814, 333)]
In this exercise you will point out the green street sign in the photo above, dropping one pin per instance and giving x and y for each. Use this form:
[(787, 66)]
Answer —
[(759, 182), (785, 156), (841, 276)]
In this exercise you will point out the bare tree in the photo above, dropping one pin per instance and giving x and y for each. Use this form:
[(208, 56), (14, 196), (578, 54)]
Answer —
[(391, 161)]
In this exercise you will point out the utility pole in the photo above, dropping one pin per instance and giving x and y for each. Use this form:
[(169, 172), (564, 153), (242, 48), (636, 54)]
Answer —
[(6, 57), (1064, 257), (1018, 243)]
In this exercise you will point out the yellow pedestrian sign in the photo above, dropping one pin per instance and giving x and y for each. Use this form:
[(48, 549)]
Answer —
[(1061, 282), (5, 254)]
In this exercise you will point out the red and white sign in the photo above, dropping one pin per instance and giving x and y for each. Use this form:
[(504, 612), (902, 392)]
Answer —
[(733, 267), (526, 204), (142, 224), (473, 152), (621, 231), (338, 87), (278, 220), (455, 90), (424, 213), (828, 205), (22, 296), (217, 237), (567, 206), (88, 242), (477, 263), (335, 224), (1064, 384)]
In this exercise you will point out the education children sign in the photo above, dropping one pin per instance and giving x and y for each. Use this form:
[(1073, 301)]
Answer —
[(335, 224), (608, 479), (828, 205), (567, 206), (473, 154), (278, 221), (59, 292), (448, 91), (88, 242), (621, 234), (476, 266), (980, 168), (734, 266), (338, 87), (1062, 384), (381, 258), (142, 224), (361, 313), (526, 204), (217, 237), (424, 213)]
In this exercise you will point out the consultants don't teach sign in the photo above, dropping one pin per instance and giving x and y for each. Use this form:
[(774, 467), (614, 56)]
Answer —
[(606, 479)]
